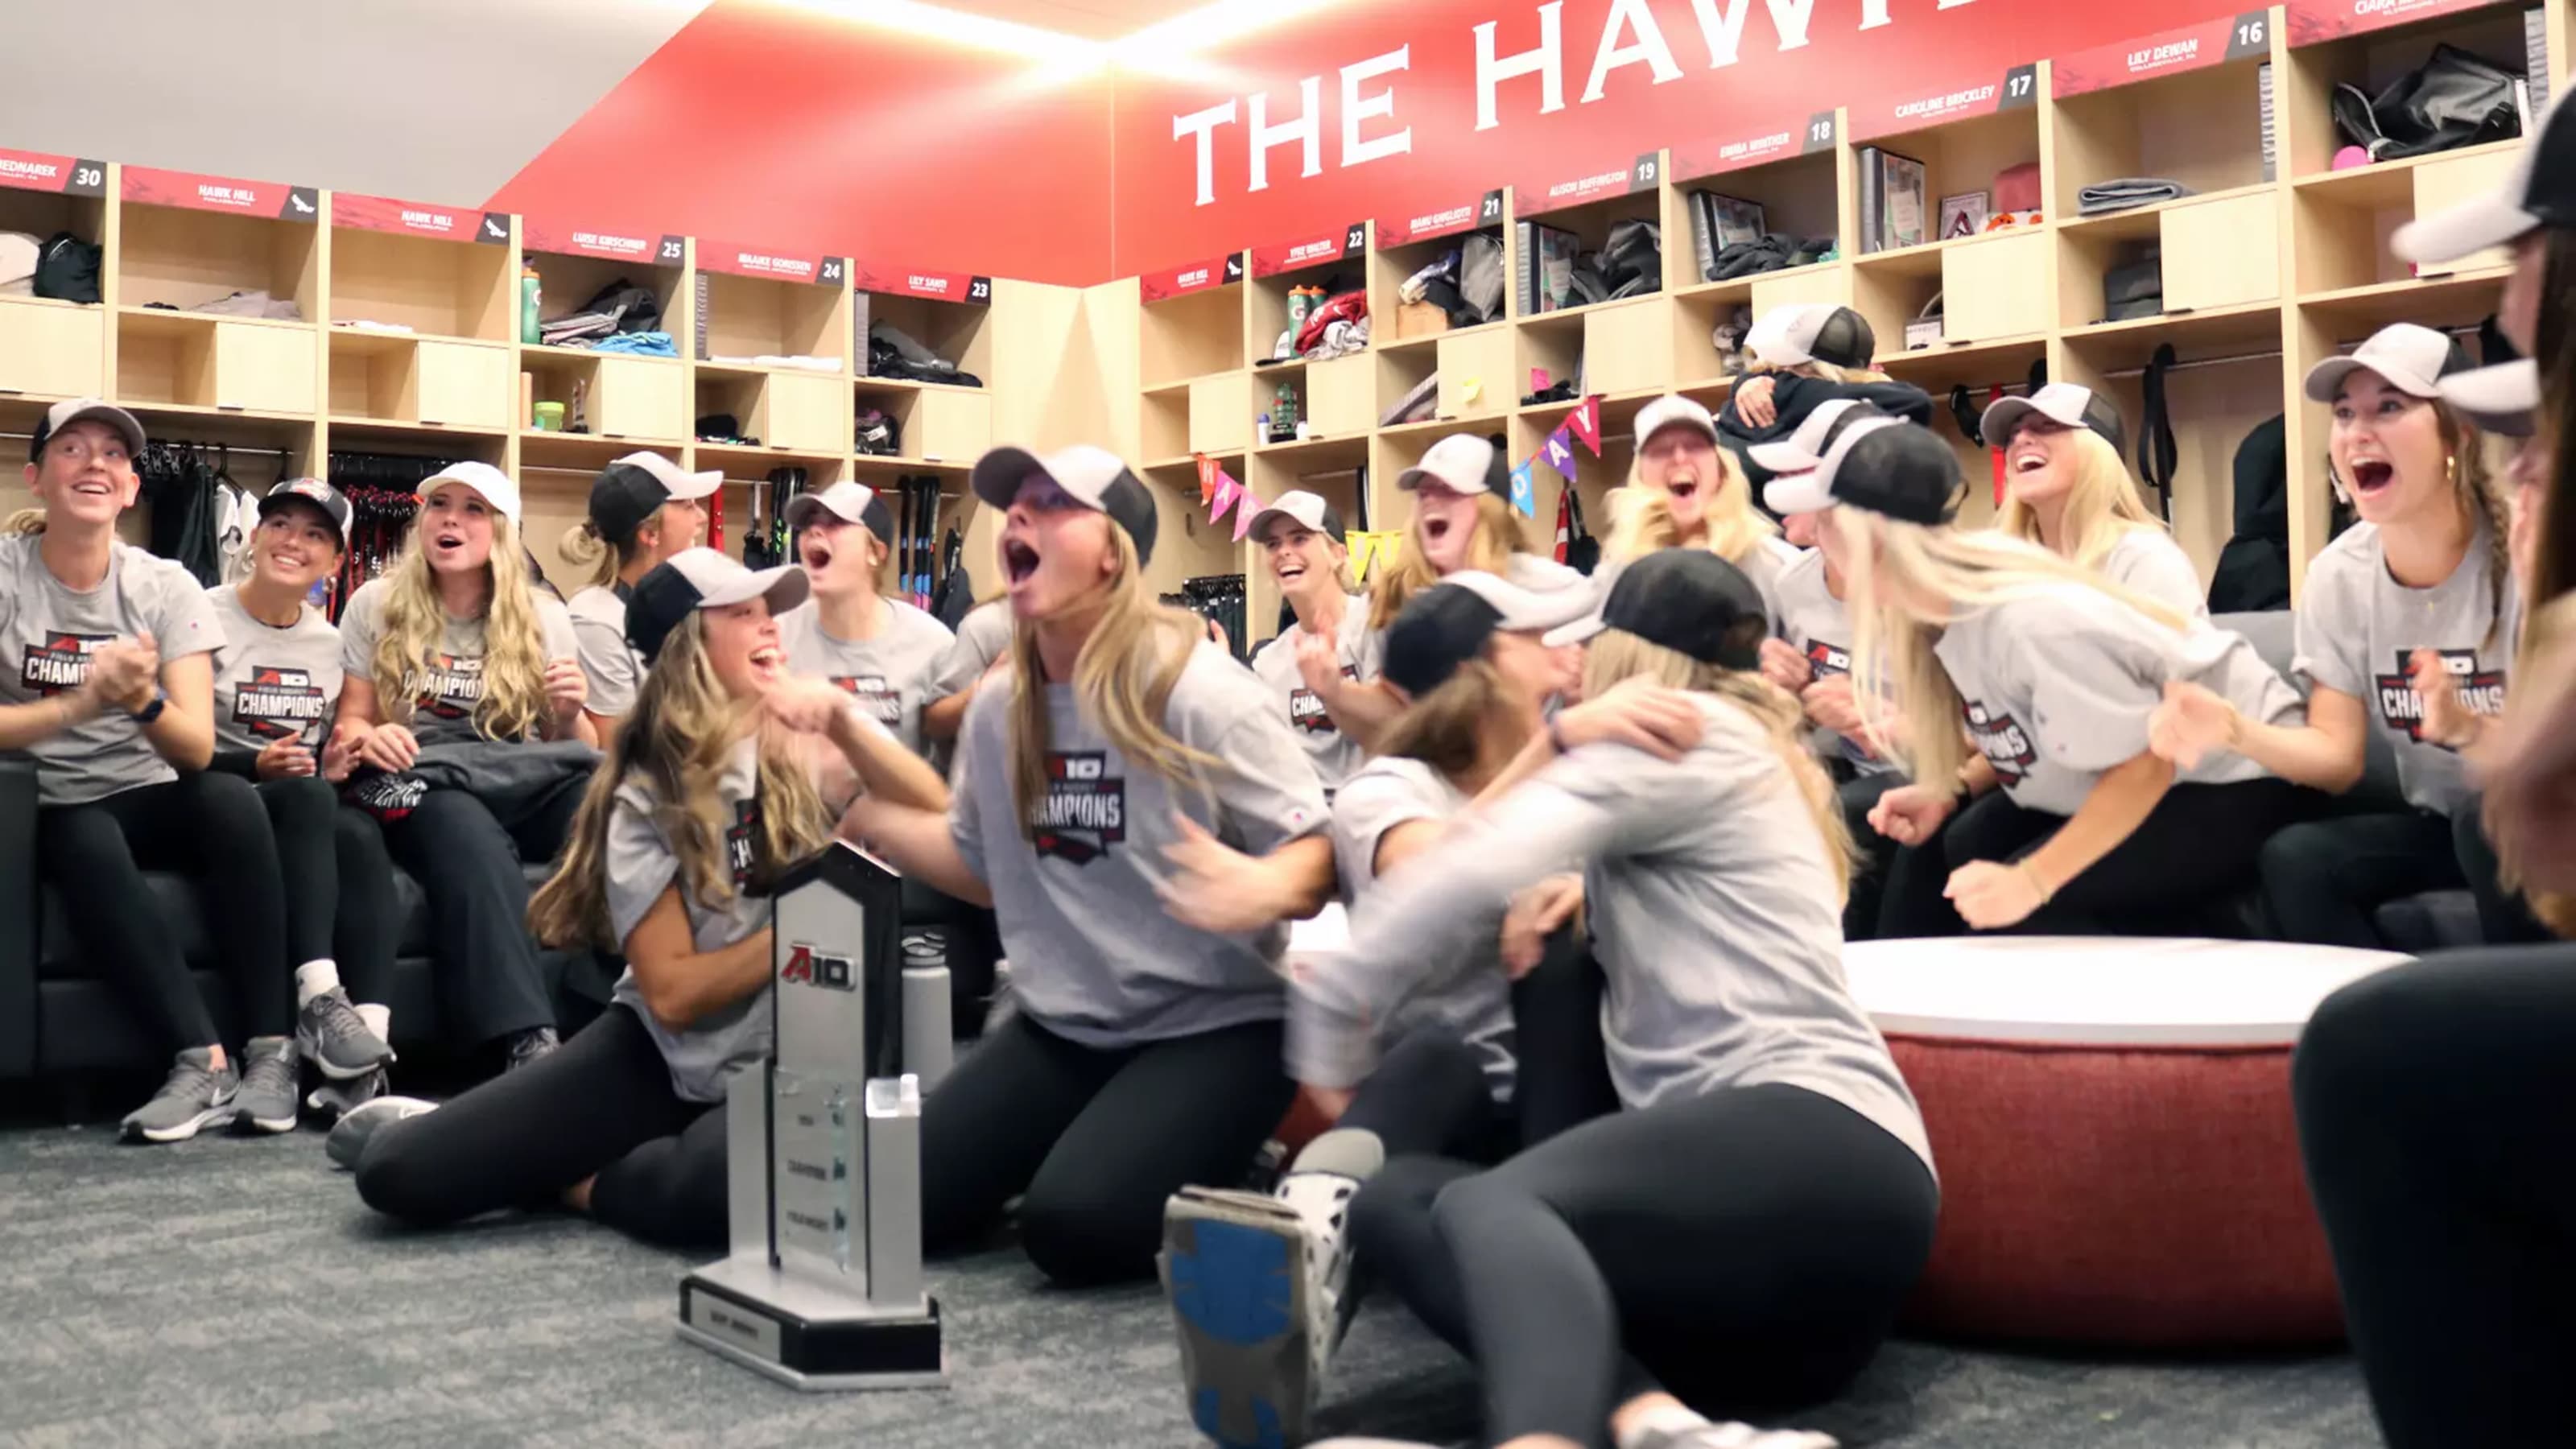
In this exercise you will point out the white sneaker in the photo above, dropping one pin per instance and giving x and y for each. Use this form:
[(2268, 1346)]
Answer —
[(1254, 1300)]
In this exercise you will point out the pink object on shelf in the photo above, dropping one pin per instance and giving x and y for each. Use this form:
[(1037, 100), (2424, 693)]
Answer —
[(2349, 157)]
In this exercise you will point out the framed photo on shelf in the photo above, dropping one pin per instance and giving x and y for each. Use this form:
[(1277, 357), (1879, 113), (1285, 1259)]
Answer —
[(1738, 220), (1963, 215), (1894, 209)]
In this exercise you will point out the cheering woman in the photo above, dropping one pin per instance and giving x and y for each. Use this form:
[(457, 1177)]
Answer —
[(2068, 491), (1330, 644)]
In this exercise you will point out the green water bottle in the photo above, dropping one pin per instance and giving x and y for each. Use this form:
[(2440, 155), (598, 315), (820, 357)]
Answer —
[(530, 292)]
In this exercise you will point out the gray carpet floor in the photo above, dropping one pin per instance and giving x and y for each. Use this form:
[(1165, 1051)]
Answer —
[(228, 1291)]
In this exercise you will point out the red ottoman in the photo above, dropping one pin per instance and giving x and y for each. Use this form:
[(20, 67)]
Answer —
[(2111, 1119)]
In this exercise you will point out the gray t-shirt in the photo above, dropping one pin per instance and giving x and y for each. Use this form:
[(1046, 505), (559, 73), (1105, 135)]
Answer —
[(889, 675), (1094, 957), (1465, 992), (1335, 754), (641, 864), (2146, 560), (1713, 915), (272, 684), (49, 632), (981, 637), (1815, 623), (2358, 629), (443, 714), (2057, 685), (608, 663)]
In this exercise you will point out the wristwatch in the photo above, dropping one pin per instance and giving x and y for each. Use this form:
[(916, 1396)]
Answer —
[(150, 712)]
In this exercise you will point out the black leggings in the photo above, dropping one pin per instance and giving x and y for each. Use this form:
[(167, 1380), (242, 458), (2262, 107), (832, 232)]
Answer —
[(2437, 1112), (1746, 1248), (1877, 853), (602, 1104), (2504, 915), (1096, 1137), (340, 902), (2193, 851), (1429, 1095), (468, 863), (211, 827), (2323, 878)]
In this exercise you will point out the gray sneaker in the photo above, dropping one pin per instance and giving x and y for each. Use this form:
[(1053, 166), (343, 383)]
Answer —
[(198, 1092), (332, 1036), (359, 1126), (531, 1046), (330, 1100), (266, 1101)]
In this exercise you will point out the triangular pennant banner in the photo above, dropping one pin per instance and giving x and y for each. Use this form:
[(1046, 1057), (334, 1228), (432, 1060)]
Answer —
[(1207, 478), (1244, 512), (1227, 492), (1560, 452), (1524, 491), (1586, 424)]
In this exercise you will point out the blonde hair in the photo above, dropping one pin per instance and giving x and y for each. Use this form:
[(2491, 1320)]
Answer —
[(1641, 516), (677, 739), (514, 658), (1615, 656), (1972, 571), (1491, 542), (2473, 488), (1122, 680), (597, 561), (1820, 371), (25, 520), (1447, 727), (2102, 504)]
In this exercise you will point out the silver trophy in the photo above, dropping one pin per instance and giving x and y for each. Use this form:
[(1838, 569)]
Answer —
[(823, 1288)]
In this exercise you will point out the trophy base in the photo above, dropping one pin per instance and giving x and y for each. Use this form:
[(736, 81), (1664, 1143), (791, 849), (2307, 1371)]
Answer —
[(808, 1336)]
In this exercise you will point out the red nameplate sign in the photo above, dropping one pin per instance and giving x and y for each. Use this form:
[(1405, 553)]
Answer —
[(1721, 154), (68, 175), (447, 223), (2314, 20), (2169, 52), (667, 250), (1914, 111), (743, 261), (221, 193), (1485, 211), (1642, 174), (908, 282), (1350, 241), (1173, 282)]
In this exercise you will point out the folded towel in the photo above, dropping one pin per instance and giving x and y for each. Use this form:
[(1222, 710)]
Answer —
[(2105, 197)]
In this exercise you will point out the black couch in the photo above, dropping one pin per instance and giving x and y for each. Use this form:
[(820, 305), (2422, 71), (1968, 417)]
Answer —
[(58, 1017)]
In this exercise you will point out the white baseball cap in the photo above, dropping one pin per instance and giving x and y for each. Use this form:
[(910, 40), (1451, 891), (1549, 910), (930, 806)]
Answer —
[(498, 488), (847, 501), (2500, 399), (2540, 192), (1674, 410), (86, 409), (2414, 359), (1880, 463), (1803, 332), (1461, 462), (1447, 624), (703, 578), (2067, 404), (1096, 476), (1805, 446), (1307, 510)]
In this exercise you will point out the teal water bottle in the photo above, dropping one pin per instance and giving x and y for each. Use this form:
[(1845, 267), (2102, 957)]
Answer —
[(530, 292)]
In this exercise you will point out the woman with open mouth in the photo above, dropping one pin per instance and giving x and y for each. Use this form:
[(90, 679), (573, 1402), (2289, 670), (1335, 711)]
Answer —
[(1686, 491), (643, 509), (277, 682), (1144, 1048), (723, 744), (2049, 813), (2407, 625), (107, 685), (2067, 490), (453, 644), (1315, 661), (879, 649)]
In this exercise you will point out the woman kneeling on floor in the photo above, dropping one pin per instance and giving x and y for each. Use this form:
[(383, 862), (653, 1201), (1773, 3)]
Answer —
[(1143, 1051), (1742, 1229), (707, 796)]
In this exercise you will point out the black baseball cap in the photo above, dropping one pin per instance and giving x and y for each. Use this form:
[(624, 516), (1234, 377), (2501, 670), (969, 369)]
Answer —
[(1448, 623), (310, 493), (1688, 600), (2540, 192), (2064, 403), (85, 409), (1888, 466), (702, 578), (635, 487), (849, 502), (1095, 476)]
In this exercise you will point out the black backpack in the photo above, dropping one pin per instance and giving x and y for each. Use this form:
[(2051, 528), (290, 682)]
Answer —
[(67, 268), (2253, 573)]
